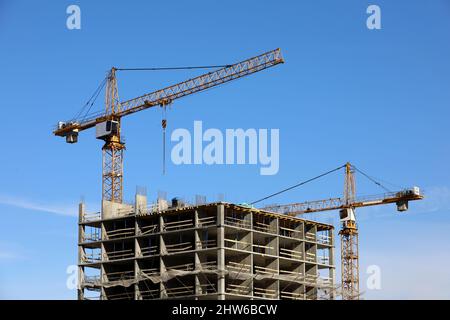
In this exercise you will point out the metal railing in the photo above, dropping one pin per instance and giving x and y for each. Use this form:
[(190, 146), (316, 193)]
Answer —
[(148, 229), (238, 267), (89, 217), (235, 222), (92, 237), (119, 233), (179, 247), (149, 251), (91, 257), (118, 255), (206, 221), (291, 254), (94, 280), (265, 293), (205, 244)]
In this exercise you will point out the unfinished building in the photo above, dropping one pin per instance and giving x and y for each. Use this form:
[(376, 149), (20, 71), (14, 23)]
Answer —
[(205, 251)]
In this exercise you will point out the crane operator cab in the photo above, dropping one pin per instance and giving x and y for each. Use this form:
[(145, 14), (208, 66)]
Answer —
[(106, 129), (347, 217)]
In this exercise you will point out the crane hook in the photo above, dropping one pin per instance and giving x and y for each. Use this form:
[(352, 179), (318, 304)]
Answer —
[(164, 125)]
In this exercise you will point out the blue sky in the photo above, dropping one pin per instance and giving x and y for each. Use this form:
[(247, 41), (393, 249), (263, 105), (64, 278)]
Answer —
[(376, 98)]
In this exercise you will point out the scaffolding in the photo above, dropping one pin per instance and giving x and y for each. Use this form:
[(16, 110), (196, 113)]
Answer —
[(203, 251)]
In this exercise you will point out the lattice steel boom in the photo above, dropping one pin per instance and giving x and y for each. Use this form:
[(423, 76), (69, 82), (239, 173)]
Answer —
[(349, 230), (107, 122)]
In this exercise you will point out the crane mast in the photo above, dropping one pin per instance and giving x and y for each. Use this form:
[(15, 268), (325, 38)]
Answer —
[(112, 150), (108, 129), (349, 239), (108, 123)]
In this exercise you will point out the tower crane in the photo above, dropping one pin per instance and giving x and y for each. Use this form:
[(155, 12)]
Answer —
[(349, 230), (108, 122)]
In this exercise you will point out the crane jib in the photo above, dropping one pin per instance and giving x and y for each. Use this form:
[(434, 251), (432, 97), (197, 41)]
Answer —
[(171, 93), (398, 197)]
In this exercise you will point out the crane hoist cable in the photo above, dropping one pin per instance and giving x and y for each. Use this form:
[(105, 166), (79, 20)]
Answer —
[(91, 100), (164, 125), (173, 68), (107, 122), (371, 179), (164, 111), (298, 184), (81, 115), (319, 176)]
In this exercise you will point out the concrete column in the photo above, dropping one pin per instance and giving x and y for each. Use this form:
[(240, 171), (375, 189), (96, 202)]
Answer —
[(137, 251), (196, 222), (277, 253), (80, 290), (197, 240), (140, 204), (136, 285), (197, 262), (197, 288), (162, 250), (252, 241), (332, 270), (221, 252)]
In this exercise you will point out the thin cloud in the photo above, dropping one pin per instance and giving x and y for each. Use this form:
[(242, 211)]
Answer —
[(66, 210), (5, 255), (11, 252), (436, 199), (407, 276)]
